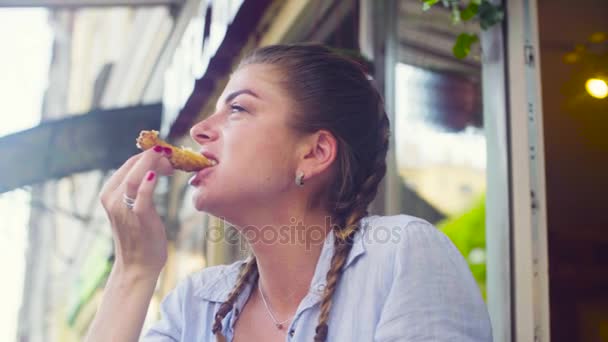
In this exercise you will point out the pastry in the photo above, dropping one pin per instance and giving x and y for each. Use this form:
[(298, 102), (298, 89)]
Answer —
[(181, 158)]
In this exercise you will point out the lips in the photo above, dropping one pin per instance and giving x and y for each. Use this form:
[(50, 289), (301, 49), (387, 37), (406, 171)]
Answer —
[(195, 180), (211, 157)]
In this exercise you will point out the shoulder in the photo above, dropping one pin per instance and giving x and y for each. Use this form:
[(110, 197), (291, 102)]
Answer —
[(426, 281), (397, 222), (393, 234), (406, 243), (213, 283), (410, 252), (187, 309)]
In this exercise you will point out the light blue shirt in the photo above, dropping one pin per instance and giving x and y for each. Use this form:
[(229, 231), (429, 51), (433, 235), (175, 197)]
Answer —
[(404, 280)]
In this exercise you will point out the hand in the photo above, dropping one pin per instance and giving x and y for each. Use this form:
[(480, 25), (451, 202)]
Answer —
[(139, 233)]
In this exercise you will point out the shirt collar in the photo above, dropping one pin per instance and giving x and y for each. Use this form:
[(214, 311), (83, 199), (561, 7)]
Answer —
[(324, 263), (218, 289)]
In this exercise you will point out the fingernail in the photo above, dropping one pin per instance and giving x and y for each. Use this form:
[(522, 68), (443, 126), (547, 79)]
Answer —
[(158, 148), (151, 175), (167, 150)]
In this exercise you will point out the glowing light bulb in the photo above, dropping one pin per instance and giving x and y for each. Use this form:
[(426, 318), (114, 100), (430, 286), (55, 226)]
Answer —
[(597, 88)]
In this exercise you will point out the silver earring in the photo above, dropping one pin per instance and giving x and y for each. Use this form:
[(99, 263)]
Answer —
[(300, 178)]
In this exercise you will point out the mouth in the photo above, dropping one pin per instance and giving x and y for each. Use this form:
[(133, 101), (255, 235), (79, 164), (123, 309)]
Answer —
[(196, 178), (211, 157)]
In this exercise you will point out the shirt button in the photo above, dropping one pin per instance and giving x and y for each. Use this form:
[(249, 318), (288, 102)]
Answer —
[(321, 287), (292, 332)]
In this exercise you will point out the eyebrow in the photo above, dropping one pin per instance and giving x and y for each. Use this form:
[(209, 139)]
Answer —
[(232, 96)]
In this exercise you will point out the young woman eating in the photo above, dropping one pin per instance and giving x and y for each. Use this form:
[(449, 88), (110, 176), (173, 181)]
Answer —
[(300, 138)]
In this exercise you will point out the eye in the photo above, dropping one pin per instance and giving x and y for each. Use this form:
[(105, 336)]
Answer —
[(235, 108)]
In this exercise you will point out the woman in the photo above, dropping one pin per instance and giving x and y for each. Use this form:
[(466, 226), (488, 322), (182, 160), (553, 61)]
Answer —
[(300, 136)]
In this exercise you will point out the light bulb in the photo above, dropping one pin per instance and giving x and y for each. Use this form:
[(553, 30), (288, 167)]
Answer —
[(597, 88)]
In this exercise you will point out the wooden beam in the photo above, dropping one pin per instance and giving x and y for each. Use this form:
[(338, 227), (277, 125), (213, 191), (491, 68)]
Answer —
[(101, 139)]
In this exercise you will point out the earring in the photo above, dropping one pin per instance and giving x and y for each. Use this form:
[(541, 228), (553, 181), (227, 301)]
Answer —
[(300, 178)]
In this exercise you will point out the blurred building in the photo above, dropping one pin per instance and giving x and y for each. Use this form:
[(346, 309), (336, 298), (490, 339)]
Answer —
[(482, 146), (103, 59)]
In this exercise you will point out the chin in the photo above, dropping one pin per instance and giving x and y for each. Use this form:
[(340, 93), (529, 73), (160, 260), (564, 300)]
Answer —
[(205, 203), (200, 200), (199, 207)]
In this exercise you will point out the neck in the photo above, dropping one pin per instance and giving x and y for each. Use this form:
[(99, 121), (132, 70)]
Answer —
[(287, 252)]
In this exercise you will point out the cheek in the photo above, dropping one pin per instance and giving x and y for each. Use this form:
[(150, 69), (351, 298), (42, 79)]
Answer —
[(263, 161), (253, 169)]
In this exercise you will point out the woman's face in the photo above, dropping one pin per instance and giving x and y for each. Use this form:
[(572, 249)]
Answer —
[(254, 146)]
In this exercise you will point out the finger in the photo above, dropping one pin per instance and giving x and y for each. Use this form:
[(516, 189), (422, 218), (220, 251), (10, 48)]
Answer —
[(132, 180), (119, 175), (145, 194), (164, 166), (144, 206)]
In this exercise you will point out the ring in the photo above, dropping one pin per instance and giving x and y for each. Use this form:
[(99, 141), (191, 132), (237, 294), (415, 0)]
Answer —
[(128, 201)]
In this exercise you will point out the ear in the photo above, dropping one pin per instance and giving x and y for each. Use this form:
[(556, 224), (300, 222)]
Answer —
[(319, 151)]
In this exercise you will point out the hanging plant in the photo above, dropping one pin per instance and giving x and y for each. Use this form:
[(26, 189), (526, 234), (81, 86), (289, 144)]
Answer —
[(484, 11)]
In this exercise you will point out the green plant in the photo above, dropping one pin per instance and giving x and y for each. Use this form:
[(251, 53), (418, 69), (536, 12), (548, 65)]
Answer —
[(468, 233), (484, 11)]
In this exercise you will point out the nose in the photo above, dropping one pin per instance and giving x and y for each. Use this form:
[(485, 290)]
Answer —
[(203, 132)]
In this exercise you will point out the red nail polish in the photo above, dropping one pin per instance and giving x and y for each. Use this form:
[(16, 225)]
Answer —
[(167, 150), (151, 175), (158, 148)]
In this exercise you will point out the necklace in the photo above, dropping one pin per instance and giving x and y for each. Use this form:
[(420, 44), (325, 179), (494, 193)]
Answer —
[(277, 324)]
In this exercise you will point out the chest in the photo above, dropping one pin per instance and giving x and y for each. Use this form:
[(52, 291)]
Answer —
[(353, 318), (356, 308), (254, 324)]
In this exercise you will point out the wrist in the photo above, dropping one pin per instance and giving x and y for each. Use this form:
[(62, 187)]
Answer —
[(134, 276)]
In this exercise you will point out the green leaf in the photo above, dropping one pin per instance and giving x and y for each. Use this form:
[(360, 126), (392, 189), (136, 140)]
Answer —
[(489, 14), (428, 4), (455, 14), (463, 44), (470, 11)]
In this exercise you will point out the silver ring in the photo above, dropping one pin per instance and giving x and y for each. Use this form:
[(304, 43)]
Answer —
[(128, 201)]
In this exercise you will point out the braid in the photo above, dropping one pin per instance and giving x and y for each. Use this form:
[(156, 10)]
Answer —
[(248, 272), (350, 224), (342, 249), (355, 115)]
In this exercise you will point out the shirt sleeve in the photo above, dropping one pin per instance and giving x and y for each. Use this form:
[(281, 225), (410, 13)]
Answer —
[(433, 296), (169, 327)]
